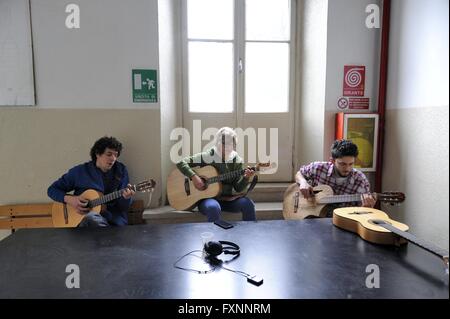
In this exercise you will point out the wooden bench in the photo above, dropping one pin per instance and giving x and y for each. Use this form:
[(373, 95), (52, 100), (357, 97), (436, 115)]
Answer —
[(168, 215), (26, 216), (40, 215)]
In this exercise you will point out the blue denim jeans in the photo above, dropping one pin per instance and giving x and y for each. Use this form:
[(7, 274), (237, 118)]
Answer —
[(93, 219), (212, 208)]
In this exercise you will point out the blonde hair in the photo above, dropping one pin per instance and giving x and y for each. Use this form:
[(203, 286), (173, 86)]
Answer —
[(226, 134)]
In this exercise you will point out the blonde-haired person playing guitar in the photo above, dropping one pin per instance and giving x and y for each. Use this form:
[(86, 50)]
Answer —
[(338, 173), (224, 158)]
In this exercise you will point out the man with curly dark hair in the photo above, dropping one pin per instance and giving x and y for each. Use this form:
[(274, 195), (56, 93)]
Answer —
[(338, 173), (104, 174)]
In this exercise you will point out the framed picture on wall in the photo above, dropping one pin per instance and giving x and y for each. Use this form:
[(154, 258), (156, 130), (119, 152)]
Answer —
[(361, 129)]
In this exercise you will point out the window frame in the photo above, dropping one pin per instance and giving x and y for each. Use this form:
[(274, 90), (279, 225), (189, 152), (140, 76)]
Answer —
[(239, 43)]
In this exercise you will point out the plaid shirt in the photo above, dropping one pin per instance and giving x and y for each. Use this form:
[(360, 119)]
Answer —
[(322, 173)]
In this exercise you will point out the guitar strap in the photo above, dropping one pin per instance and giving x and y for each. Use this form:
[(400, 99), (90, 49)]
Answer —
[(236, 196), (252, 184)]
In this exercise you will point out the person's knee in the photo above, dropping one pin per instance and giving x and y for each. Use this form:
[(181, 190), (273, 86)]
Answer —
[(246, 203), (93, 219), (247, 207), (210, 208)]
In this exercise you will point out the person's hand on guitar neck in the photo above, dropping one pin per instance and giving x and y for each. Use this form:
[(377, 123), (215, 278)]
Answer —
[(77, 202), (367, 200), (198, 183), (248, 172), (128, 192)]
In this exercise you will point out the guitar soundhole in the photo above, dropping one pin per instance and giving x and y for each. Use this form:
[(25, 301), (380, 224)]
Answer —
[(378, 222), (360, 213)]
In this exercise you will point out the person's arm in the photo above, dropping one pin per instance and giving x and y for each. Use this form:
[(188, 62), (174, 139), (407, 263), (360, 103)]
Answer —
[(367, 200), (123, 203), (304, 187), (185, 167), (59, 189), (241, 182), (186, 163)]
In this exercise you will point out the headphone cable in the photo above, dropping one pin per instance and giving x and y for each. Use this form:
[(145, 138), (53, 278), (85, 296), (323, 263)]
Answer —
[(239, 272), (191, 269)]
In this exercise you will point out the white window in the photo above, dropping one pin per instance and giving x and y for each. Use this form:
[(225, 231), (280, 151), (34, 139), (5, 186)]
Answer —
[(237, 55)]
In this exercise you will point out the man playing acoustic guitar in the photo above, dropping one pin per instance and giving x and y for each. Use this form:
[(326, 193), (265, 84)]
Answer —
[(338, 173), (104, 174), (225, 159)]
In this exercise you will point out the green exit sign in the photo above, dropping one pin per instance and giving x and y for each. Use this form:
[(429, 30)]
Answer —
[(145, 89)]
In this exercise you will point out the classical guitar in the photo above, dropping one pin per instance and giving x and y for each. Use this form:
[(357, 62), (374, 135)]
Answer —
[(183, 195), (64, 215), (375, 226), (296, 206)]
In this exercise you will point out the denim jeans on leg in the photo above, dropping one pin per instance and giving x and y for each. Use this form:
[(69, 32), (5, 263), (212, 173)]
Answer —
[(212, 208), (93, 219)]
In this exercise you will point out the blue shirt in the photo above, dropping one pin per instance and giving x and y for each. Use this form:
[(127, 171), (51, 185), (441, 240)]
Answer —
[(88, 176)]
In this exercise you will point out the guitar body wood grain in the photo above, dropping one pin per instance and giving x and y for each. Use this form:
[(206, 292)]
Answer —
[(176, 191), (295, 206), (73, 216), (360, 220)]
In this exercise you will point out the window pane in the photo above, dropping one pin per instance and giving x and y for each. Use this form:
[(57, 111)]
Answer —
[(267, 19), (210, 77), (210, 19), (266, 77)]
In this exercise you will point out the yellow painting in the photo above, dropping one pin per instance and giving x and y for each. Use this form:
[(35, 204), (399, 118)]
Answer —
[(363, 130)]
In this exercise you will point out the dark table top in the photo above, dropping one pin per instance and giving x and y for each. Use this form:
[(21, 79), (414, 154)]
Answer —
[(297, 259)]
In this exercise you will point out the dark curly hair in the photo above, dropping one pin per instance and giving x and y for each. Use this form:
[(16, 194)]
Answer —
[(341, 148), (102, 144)]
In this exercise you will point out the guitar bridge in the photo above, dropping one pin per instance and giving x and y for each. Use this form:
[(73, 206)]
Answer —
[(296, 196), (66, 214)]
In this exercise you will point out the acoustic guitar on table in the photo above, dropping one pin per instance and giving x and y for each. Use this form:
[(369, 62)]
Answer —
[(296, 206), (64, 215), (183, 195), (376, 227)]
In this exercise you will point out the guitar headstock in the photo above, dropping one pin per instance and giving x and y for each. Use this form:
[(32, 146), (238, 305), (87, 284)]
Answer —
[(391, 197), (145, 186), (264, 166)]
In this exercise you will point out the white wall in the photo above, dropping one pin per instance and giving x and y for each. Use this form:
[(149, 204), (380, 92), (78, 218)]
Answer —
[(90, 67), (350, 42), (170, 81), (310, 81), (16, 56), (83, 92), (418, 55), (416, 156)]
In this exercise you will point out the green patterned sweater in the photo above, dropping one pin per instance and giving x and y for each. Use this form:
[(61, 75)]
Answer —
[(210, 157)]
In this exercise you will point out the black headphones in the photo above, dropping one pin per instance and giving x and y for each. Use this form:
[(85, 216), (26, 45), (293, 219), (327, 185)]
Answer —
[(214, 249)]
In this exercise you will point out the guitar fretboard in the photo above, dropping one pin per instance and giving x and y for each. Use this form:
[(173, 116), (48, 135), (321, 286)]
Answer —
[(421, 243), (107, 198), (340, 199), (226, 176)]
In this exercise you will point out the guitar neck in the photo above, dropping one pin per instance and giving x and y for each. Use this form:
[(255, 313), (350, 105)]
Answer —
[(227, 176), (105, 199), (421, 243), (332, 199)]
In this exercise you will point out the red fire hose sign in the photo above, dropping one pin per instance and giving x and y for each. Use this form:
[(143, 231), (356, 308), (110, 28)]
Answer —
[(354, 78)]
